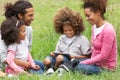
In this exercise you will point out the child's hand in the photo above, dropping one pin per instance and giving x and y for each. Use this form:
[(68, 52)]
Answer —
[(27, 65), (71, 56), (36, 67), (22, 63), (52, 54)]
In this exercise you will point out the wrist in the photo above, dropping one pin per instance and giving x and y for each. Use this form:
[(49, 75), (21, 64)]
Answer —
[(75, 56)]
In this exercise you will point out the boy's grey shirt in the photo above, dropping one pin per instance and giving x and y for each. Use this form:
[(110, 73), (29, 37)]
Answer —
[(79, 46)]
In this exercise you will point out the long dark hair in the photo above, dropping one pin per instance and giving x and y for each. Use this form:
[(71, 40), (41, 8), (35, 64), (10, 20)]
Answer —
[(19, 7), (10, 30)]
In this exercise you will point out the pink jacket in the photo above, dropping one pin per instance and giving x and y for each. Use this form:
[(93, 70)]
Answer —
[(13, 68), (104, 48)]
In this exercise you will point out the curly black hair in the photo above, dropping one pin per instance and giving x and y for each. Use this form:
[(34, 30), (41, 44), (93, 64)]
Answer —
[(96, 5), (66, 16), (10, 30)]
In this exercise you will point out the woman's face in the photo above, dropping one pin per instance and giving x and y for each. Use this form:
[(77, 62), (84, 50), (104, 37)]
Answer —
[(68, 31), (91, 16)]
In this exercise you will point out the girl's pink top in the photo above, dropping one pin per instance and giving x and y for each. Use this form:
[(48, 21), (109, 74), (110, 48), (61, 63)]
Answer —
[(13, 68), (20, 52)]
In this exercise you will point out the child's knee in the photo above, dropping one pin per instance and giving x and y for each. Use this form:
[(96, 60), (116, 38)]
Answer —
[(47, 61), (59, 58)]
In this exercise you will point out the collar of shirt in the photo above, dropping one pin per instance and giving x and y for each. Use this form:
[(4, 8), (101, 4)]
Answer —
[(98, 30)]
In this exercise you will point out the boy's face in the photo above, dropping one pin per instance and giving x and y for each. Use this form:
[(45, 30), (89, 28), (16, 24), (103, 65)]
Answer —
[(28, 16), (68, 31)]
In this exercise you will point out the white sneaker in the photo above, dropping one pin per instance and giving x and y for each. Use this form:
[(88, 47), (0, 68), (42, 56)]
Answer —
[(49, 71), (64, 67), (60, 71)]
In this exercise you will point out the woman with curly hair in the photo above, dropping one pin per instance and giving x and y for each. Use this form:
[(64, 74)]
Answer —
[(71, 44), (104, 47)]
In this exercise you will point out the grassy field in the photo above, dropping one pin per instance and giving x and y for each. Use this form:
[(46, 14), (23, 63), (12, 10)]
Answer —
[(45, 38)]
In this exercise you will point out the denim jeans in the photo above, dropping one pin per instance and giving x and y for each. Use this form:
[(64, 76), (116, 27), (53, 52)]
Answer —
[(53, 59), (39, 71), (88, 69)]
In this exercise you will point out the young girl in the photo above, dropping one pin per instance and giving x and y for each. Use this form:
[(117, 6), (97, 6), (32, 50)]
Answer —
[(104, 47), (13, 33), (70, 24)]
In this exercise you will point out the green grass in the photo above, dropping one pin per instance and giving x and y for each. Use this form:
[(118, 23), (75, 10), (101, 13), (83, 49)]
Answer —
[(45, 38)]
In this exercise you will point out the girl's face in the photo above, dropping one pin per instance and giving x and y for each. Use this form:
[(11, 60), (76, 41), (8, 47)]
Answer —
[(91, 17), (68, 31), (22, 32)]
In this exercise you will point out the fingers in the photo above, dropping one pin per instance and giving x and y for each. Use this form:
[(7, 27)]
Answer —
[(52, 54), (36, 67)]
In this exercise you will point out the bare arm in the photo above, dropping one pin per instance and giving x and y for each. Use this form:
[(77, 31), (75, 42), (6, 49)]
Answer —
[(81, 56), (22, 63)]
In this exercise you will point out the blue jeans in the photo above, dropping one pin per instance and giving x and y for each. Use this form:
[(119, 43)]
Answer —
[(53, 60), (39, 71), (88, 69)]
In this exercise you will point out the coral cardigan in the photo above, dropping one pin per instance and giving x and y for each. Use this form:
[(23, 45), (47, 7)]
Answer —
[(104, 48)]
